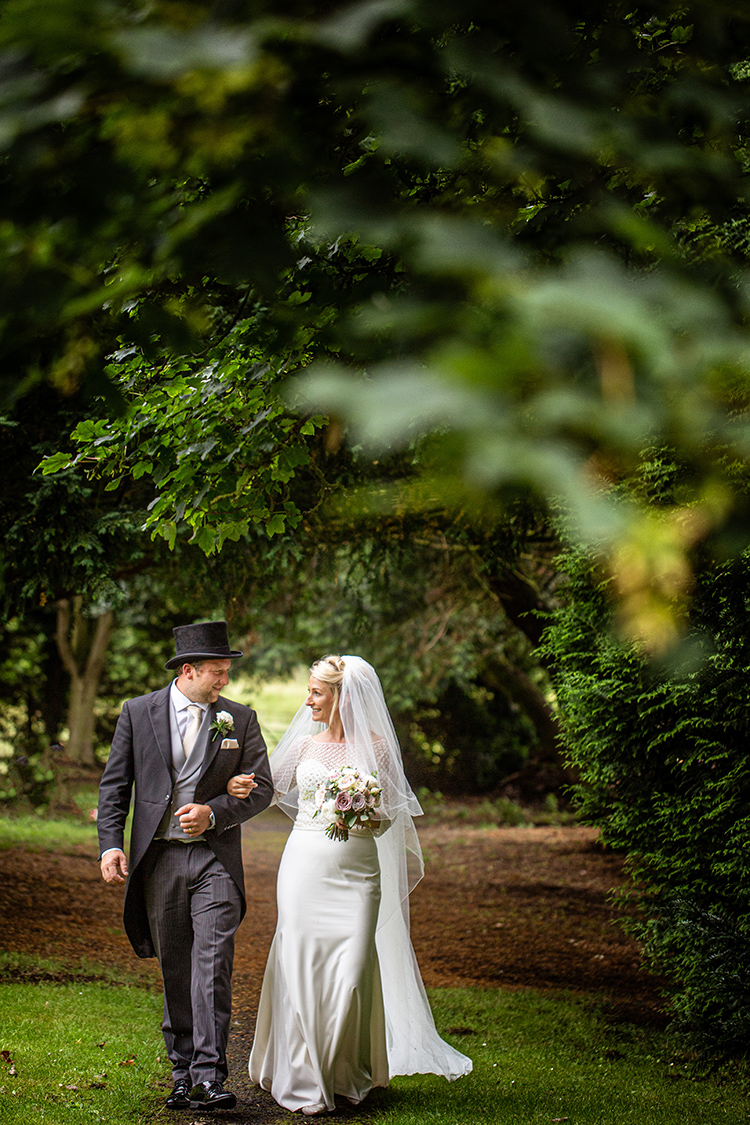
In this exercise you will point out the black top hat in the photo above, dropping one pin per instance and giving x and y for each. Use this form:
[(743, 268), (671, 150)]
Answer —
[(207, 641)]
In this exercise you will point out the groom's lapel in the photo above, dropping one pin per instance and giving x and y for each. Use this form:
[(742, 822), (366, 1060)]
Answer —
[(159, 715), (214, 738)]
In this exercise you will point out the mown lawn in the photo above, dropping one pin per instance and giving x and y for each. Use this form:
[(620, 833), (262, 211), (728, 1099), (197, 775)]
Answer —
[(79, 1053)]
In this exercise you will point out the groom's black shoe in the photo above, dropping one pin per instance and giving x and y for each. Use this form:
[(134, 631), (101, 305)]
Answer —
[(211, 1095), (180, 1096)]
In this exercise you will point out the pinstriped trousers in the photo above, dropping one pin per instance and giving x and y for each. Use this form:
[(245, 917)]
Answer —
[(194, 910)]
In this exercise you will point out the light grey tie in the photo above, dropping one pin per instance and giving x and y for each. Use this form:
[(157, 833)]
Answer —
[(196, 718)]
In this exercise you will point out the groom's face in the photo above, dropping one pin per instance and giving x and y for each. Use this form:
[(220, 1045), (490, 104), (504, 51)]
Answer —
[(204, 683)]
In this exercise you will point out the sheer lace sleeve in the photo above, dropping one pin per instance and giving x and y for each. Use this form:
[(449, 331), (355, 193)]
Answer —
[(284, 770), (389, 774)]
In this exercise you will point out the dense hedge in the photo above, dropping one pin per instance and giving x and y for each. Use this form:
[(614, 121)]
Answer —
[(665, 772)]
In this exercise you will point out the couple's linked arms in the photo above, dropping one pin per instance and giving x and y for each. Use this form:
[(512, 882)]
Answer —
[(241, 785), (194, 819), (117, 786)]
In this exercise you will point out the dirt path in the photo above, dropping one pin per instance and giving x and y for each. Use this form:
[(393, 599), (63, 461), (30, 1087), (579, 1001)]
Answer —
[(514, 908)]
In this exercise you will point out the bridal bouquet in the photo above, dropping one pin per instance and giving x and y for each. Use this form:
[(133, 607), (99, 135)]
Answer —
[(349, 799)]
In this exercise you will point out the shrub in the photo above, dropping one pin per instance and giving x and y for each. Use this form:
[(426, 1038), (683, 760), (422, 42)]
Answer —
[(662, 755)]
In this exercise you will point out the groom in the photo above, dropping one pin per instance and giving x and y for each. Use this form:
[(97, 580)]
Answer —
[(185, 891)]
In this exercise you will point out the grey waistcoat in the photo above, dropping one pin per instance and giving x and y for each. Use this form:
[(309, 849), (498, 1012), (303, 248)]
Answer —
[(185, 774)]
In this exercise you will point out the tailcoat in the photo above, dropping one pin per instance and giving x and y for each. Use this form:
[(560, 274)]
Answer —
[(140, 767)]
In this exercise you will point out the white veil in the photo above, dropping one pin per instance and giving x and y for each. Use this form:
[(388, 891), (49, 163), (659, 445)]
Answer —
[(414, 1046)]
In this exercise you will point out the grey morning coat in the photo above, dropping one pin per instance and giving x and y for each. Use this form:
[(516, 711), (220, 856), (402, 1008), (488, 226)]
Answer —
[(141, 760)]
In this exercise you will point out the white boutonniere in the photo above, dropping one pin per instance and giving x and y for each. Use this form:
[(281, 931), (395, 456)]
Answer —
[(223, 723)]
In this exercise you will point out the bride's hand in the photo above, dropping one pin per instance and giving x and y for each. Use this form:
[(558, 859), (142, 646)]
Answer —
[(241, 785)]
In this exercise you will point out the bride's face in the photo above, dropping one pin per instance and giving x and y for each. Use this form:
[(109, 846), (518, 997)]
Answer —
[(319, 700)]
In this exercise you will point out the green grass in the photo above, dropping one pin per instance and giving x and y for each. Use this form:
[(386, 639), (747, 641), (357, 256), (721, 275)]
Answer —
[(38, 833), (25, 968), (86, 798), (492, 812), (84, 1052), (64, 833), (79, 1054), (541, 1059), (276, 702)]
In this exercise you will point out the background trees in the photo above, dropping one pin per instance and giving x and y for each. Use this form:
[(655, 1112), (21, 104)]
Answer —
[(473, 200), (525, 225), (364, 304)]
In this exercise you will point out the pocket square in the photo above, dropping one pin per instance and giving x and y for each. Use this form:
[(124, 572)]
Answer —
[(229, 744)]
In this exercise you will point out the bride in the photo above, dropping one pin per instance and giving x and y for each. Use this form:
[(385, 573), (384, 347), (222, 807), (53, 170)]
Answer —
[(343, 1007)]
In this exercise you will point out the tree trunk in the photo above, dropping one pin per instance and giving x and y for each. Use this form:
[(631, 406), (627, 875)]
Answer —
[(83, 655), (53, 689), (501, 675), (522, 604)]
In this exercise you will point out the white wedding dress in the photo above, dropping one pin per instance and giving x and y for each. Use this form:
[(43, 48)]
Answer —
[(342, 1006)]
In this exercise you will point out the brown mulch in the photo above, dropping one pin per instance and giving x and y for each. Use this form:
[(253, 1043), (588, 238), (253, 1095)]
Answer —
[(499, 907)]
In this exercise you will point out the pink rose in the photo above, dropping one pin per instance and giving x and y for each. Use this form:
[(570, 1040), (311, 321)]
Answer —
[(343, 802), (359, 802)]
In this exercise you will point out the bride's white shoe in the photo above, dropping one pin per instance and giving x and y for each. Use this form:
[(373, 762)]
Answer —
[(314, 1110)]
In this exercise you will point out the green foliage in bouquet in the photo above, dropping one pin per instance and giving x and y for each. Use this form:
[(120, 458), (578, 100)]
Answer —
[(662, 757), (350, 798)]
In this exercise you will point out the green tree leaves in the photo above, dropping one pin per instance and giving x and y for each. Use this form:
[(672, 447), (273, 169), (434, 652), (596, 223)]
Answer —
[(216, 443), (517, 235)]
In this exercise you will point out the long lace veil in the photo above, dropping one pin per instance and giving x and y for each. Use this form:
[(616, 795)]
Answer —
[(414, 1046)]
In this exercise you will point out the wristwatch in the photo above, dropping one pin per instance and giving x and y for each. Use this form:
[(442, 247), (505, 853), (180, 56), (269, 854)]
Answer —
[(211, 819)]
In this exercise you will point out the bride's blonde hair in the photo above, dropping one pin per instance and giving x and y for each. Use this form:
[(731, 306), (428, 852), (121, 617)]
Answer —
[(330, 671)]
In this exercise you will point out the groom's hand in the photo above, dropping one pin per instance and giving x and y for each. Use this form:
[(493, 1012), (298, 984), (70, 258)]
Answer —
[(114, 866), (194, 819)]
